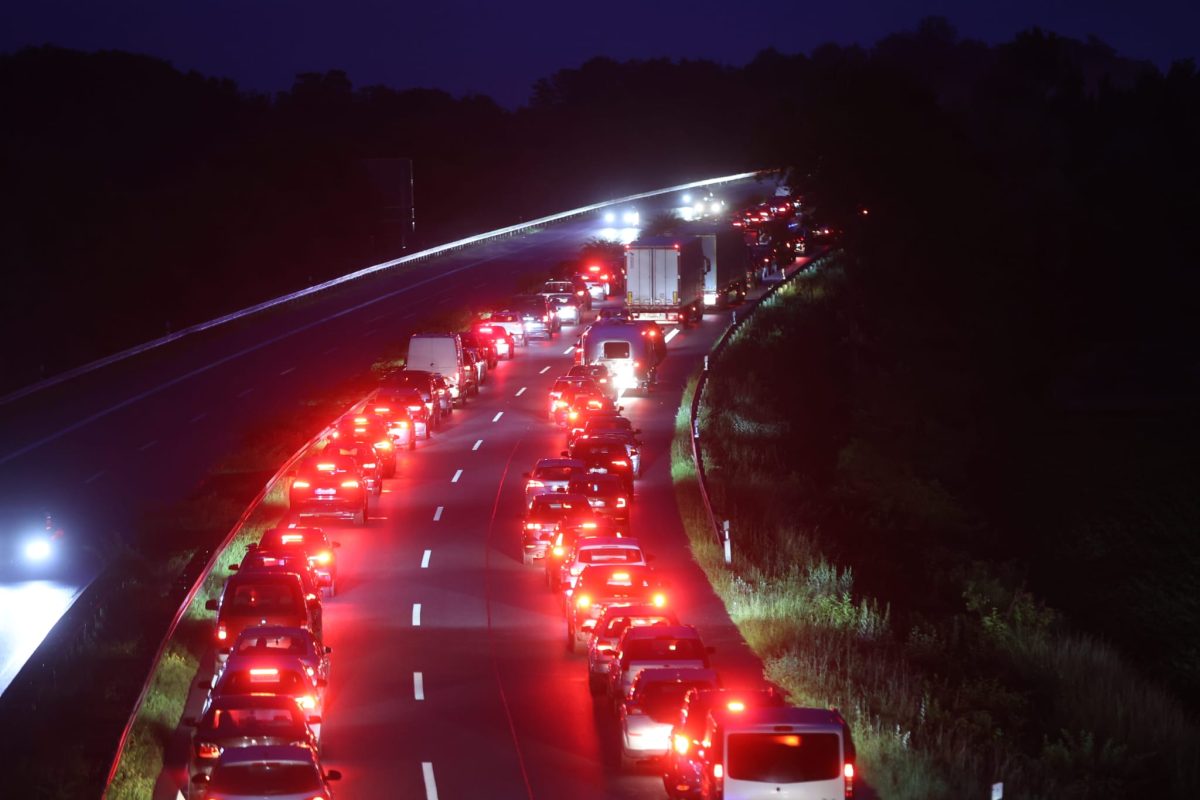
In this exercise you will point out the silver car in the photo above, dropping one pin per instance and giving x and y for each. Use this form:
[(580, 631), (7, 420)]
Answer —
[(609, 627), (653, 706), (550, 475), (281, 772)]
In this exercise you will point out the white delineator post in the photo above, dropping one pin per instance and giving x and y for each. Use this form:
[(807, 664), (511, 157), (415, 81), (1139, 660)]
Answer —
[(728, 544)]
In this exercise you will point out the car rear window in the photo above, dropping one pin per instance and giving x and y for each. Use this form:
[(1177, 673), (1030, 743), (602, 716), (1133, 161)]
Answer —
[(616, 625), (610, 555), (264, 779), (666, 649), (555, 473), (264, 681), (284, 644), (784, 757), (616, 349), (662, 700), (263, 598), (231, 721)]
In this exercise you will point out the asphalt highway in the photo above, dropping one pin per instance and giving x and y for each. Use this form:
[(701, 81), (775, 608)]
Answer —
[(450, 677), (104, 449)]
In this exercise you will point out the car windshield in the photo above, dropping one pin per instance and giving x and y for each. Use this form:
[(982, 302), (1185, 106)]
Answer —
[(265, 779), (784, 757), (610, 555), (597, 488), (666, 648), (616, 625), (663, 700), (609, 423), (263, 598), (270, 721), (554, 509), (275, 644), (503, 317), (585, 449)]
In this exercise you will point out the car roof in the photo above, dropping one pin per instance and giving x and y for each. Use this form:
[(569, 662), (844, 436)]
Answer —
[(273, 752), (607, 541), (558, 462), (278, 630), (661, 631), (265, 576), (679, 675), (786, 715)]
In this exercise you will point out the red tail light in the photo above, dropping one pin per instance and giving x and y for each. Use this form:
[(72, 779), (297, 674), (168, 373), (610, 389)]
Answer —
[(222, 633), (207, 750), (622, 502), (535, 485), (323, 557), (848, 773), (370, 466), (618, 462), (300, 484), (583, 601), (307, 702), (349, 484)]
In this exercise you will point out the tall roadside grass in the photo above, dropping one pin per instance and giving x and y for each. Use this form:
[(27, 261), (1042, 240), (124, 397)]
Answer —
[(983, 683)]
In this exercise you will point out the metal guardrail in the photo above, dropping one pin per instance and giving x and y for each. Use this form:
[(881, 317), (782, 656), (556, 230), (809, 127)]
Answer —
[(352, 276), (721, 529), (191, 596)]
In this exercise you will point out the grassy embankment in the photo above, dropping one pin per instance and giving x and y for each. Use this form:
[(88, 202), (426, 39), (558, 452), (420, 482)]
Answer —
[(947, 688)]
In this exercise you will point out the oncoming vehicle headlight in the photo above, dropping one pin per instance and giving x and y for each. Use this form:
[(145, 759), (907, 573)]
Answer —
[(38, 549)]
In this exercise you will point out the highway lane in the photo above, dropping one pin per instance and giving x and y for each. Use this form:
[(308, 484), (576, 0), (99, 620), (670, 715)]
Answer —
[(500, 709), (105, 449)]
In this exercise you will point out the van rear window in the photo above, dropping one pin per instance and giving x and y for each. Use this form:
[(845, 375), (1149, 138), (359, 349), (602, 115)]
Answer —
[(784, 757), (616, 349)]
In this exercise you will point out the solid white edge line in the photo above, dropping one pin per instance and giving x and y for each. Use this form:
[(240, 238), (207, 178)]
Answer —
[(544, 370), (430, 784), (418, 686), (416, 615), (496, 418), (569, 350), (478, 444), (674, 332), (521, 391), (437, 513), (425, 559), (457, 475)]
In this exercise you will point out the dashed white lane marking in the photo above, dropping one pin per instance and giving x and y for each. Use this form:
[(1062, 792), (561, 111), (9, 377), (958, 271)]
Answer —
[(381, 519), (244, 392), (521, 391), (430, 785), (416, 614), (96, 476), (425, 559), (286, 371), (198, 417), (437, 513), (457, 475), (478, 444), (569, 350), (418, 686), (496, 418), (674, 332), (148, 445), (544, 370)]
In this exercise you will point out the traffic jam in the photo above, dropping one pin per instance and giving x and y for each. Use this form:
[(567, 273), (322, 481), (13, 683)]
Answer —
[(258, 730)]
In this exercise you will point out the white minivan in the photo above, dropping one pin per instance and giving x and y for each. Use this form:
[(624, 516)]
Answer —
[(441, 353), (777, 753)]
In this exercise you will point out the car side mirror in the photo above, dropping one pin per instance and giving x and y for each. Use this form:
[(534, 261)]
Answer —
[(328, 650), (211, 605), (333, 775)]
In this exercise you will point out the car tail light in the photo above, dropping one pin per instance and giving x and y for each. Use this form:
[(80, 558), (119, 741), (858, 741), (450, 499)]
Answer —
[(301, 484), (660, 599), (484, 329), (384, 445), (620, 462), (307, 702), (574, 415), (535, 485), (718, 771), (545, 317), (326, 467), (264, 672), (222, 633), (382, 410), (576, 569), (583, 601), (558, 551), (580, 293), (292, 538), (414, 408), (370, 466), (848, 773), (622, 502), (681, 744), (361, 420), (324, 557), (589, 526), (533, 526), (349, 484), (207, 750)]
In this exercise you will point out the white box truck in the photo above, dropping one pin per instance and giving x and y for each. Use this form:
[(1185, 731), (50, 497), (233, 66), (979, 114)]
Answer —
[(664, 279), (725, 270)]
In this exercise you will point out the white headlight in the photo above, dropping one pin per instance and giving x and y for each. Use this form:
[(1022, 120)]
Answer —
[(610, 217), (38, 549)]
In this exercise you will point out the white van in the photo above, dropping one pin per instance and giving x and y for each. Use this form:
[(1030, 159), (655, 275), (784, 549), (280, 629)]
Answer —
[(777, 753), (630, 350), (441, 353)]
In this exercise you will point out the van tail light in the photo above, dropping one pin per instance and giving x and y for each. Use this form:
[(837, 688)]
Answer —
[(350, 484), (300, 484), (848, 773), (207, 750), (718, 771), (535, 485), (222, 633), (660, 599), (681, 744)]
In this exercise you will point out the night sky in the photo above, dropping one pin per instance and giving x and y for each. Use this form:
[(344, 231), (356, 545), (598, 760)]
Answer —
[(500, 49)]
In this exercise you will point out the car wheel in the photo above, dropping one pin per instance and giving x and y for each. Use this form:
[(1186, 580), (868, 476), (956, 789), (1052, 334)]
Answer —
[(331, 589), (412, 442), (628, 762), (390, 471), (360, 518), (595, 684), (526, 557), (378, 487), (571, 647)]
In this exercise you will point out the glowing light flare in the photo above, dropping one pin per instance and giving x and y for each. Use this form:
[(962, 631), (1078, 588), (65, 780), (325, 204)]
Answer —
[(38, 549), (307, 702), (583, 601), (301, 484), (660, 599), (718, 771), (682, 743), (349, 484), (848, 771), (736, 705)]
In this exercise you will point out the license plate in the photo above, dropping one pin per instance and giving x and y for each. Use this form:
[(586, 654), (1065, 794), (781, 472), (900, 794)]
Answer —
[(600, 470), (596, 503), (326, 491)]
